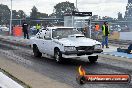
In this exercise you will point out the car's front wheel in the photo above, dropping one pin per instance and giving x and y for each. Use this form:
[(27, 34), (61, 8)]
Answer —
[(93, 59), (58, 56), (36, 51)]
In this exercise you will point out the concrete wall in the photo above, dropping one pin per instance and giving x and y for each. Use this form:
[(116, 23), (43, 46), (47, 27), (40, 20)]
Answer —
[(115, 35), (125, 35), (68, 22)]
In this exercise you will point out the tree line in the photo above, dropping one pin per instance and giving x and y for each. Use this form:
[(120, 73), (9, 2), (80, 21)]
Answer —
[(59, 10)]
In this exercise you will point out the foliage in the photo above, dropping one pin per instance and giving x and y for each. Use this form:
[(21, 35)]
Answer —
[(21, 14), (4, 14), (62, 8), (35, 15)]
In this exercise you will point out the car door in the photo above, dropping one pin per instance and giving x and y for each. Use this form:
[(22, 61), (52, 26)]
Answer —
[(47, 42), (39, 41)]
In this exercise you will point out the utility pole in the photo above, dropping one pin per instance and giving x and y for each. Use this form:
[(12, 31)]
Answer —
[(10, 30), (90, 33), (76, 5)]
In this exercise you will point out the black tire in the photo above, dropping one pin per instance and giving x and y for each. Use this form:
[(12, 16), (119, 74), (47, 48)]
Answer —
[(81, 80), (36, 51), (58, 56), (93, 59)]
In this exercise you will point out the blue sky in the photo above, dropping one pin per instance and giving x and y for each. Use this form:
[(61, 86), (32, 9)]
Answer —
[(98, 7)]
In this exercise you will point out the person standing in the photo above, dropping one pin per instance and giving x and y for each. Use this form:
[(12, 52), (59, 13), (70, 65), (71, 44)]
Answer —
[(96, 31), (25, 30), (105, 32), (84, 31), (38, 27)]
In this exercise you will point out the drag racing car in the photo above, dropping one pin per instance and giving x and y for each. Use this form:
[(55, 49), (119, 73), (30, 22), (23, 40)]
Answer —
[(64, 42)]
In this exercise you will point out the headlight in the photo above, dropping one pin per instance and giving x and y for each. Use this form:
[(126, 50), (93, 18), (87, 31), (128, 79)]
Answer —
[(69, 48), (97, 47)]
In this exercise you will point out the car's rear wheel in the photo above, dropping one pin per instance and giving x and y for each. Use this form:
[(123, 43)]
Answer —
[(93, 59), (36, 51), (58, 56)]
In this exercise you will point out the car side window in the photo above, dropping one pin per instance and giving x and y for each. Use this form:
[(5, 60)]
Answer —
[(47, 35), (39, 35)]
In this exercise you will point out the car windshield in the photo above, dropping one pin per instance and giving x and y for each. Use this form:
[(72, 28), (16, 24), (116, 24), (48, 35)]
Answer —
[(64, 32)]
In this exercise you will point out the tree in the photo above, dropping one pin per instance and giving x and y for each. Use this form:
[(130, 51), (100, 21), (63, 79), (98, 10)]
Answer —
[(21, 14), (34, 12), (62, 8), (42, 15), (17, 15), (14, 14), (35, 15), (4, 14)]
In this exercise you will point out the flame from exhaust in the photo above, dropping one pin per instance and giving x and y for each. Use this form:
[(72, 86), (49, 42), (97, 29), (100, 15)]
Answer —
[(81, 71)]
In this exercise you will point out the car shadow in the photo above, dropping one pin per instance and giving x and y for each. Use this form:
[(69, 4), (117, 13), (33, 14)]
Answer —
[(67, 61)]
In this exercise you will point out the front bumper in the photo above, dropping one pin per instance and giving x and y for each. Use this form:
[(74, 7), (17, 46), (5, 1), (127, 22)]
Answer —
[(78, 57), (89, 52), (77, 54), (98, 51)]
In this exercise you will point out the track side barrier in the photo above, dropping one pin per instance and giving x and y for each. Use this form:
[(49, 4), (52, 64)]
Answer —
[(17, 31)]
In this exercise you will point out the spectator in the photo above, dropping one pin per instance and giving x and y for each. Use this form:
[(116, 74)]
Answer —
[(25, 30), (96, 31), (38, 27), (105, 32)]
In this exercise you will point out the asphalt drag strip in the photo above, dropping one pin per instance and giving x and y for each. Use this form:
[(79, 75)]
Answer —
[(66, 73)]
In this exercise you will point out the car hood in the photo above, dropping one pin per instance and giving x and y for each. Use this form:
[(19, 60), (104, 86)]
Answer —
[(77, 42)]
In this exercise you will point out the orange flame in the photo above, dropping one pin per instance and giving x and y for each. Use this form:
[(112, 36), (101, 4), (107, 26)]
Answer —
[(81, 71)]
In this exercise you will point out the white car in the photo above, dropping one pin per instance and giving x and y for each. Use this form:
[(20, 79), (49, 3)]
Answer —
[(64, 42), (4, 28)]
